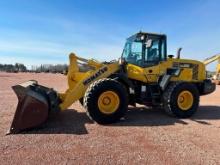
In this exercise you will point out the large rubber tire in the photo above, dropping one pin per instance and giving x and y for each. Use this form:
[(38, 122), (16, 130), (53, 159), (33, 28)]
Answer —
[(94, 92), (170, 99)]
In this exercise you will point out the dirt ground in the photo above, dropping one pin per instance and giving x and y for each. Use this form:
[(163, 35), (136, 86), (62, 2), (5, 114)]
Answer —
[(145, 136)]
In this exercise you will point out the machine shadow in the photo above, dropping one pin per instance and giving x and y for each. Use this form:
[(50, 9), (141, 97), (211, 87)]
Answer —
[(157, 117), (207, 113), (67, 122), (73, 122)]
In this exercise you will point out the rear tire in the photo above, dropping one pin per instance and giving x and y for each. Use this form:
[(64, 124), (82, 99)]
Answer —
[(106, 101), (181, 99)]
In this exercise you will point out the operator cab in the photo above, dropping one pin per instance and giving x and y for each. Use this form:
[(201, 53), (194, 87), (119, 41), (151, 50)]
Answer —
[(145, 49)]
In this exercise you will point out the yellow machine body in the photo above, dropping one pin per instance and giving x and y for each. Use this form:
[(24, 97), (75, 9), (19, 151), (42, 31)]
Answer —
[(152, 74), (76, 78)]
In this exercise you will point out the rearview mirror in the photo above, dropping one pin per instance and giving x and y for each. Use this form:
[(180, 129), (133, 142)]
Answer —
[(149, 43)]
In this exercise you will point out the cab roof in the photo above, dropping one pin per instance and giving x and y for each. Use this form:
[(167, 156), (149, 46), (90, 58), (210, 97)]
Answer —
[(147, 34)]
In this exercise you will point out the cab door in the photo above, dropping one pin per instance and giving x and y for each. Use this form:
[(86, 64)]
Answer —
[(154, 57)]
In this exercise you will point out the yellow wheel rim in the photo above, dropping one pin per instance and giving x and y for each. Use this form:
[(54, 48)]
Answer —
[(108, 102), (185, 100)]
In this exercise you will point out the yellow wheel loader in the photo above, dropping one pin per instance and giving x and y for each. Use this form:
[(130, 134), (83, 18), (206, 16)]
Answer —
[(144, 74)]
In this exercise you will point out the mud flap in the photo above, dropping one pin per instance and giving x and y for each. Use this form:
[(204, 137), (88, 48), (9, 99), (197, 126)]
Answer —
[(34, 104)]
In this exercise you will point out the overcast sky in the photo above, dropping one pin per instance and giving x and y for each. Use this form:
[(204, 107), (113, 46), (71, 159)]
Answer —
[(45, 31)]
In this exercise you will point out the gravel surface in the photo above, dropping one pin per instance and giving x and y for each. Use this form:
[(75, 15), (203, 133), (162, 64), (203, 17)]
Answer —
[(145, 136)]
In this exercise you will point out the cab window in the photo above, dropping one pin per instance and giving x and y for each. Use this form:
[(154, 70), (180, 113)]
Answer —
[(152, 53)]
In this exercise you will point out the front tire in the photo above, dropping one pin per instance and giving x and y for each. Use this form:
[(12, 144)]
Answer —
[(106, 101), (181, 99)]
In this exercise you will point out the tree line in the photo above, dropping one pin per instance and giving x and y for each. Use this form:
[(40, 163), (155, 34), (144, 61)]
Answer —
[(46, 68), (13, 68)]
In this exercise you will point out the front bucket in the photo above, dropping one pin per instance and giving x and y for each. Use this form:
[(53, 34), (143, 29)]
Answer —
[(32, 109)]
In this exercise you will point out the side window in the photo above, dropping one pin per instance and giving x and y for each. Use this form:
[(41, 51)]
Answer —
[(163, 51), (152, 53)]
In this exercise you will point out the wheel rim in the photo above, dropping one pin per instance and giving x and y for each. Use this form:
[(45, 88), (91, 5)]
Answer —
[(185, 100), (108, 102)]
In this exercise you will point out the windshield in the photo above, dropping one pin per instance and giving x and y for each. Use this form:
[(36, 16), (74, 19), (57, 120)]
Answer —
[(133, 52)]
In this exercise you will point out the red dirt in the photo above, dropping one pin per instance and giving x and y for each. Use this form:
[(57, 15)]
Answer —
[(145, 136)]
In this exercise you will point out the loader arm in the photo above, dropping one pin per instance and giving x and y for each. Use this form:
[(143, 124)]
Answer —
[(79, 81)]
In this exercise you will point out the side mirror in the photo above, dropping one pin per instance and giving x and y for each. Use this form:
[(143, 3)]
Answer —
[(149, 43)]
